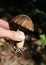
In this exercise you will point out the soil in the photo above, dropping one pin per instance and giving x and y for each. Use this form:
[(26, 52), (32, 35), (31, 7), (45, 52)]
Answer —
[(10, 55)]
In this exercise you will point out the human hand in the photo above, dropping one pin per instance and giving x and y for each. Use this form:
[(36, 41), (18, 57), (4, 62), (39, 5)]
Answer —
[(7, 33)]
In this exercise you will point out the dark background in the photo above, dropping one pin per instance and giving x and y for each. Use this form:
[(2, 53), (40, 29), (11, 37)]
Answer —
[(36, 9)]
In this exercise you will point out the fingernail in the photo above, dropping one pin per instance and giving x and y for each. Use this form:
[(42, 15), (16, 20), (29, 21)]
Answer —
[(21, 35)]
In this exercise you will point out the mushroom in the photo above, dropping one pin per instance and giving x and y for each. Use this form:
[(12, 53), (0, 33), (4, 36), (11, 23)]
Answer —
[(23, 21)]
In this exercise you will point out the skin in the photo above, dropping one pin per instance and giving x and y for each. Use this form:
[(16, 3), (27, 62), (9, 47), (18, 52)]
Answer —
[(7, 33)]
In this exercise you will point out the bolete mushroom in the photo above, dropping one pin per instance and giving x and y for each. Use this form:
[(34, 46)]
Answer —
[(23, 21)]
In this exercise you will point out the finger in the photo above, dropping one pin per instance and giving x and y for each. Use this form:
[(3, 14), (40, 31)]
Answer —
[(16, 36), (4, 24)]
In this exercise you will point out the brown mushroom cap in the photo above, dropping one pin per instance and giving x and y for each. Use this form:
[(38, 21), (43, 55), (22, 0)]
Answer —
[(24, 21)]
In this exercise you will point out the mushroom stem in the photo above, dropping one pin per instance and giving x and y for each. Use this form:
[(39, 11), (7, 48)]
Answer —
[(20, 44)]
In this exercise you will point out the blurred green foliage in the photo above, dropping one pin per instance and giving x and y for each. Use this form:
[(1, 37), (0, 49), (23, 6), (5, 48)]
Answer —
[(4, 45), (31, 64), (43, 36), (43, 42), (39, 43), (42, 64)]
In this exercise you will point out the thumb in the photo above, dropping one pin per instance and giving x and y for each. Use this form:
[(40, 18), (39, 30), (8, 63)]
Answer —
[(16, 36), (13, 35)]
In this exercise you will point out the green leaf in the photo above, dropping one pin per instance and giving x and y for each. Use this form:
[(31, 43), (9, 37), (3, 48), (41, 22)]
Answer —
[(31, 64), (4, 45), (42, 36), (37, 10), (39, 43), (42, 64)]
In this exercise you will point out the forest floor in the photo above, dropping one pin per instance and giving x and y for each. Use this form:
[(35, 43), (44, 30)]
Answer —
[(10, 56)]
